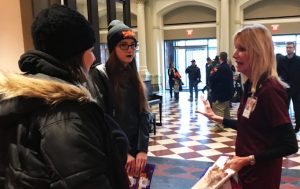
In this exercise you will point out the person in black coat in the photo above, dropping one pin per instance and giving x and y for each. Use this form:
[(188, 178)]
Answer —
[(171, 74), (194, 79), (288, 69), (221, 84), (77, 145)]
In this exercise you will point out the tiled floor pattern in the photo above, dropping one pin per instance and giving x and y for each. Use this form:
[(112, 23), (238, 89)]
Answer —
[(184, 146), (183, 174)]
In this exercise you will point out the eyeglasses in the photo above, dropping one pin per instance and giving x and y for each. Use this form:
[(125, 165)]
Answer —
[(125, 46)]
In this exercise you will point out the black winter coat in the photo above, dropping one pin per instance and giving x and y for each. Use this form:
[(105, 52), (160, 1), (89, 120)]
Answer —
[(221, 83), (67, 128), (288, 70), (133, 122), (194, 73)]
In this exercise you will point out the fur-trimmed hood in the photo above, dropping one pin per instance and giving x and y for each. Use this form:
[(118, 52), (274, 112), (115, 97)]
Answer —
[(20, 95), (51, 91)]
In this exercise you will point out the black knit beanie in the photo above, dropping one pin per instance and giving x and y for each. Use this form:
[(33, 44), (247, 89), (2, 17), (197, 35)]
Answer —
[(118, 31), (62, 32)]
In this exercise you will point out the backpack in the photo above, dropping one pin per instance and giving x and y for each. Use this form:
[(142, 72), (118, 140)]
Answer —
[(25, 169)]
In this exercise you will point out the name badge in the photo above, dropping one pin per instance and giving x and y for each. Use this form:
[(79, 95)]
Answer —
[(250, 106)]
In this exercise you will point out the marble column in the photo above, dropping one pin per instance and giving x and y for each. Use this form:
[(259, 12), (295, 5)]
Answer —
[(224, 26), (142, 39)]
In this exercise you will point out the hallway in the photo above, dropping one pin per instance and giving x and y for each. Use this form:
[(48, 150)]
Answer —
[(184, 146)]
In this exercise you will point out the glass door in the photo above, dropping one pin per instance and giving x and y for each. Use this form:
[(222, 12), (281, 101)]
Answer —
[(183, 60)]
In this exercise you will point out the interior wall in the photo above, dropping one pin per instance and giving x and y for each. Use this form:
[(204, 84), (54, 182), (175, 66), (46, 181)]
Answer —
[(103, 27), (189, 14), (103, 20), (285, 28), (26, 18), (11, 35), (275, 10), (272, 9), (197, 33)]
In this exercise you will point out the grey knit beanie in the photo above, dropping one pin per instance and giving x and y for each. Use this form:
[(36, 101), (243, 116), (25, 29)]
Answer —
[(118, 31)]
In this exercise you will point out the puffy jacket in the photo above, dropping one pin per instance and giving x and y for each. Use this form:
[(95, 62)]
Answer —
[(68, 129)]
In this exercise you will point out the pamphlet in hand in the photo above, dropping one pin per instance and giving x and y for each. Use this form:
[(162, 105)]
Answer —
[(144, 181), (215, 177)]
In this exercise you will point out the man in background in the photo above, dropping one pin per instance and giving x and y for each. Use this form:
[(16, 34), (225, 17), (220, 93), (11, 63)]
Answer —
[(194, 78), (288, 69), (221, 83)]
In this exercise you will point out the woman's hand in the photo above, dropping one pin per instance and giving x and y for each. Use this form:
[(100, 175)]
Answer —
[(140, 162), (130, 165), (237, 163), (208, 112)]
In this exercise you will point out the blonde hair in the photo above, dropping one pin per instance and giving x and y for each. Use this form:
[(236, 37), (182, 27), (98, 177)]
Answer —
[(257, 40)]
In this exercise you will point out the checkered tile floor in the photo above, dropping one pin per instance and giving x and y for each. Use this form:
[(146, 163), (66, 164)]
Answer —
[(186, 135)]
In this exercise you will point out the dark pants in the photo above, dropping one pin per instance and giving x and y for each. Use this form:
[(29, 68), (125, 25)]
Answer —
[(193, 85), (296, 104), (171, 84), (176, 94)]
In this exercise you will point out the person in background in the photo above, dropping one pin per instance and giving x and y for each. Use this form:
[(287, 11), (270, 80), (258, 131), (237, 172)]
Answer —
[(221, 84), (207, 72), (232, 67), (171, 72), (264, 131), (122, 93), (72, 143), (177, 85), (216, 62), (194, 79), (288, 69)]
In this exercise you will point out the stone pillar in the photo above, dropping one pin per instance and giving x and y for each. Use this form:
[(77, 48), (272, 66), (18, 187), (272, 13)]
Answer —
[(218, 33), (142, 39), (239, 17), (224, 26)]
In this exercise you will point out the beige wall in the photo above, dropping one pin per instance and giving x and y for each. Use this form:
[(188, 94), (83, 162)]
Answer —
[(11, 35), (197, 33), (272, 9), (285, 28), (190, 14), (275, 10)]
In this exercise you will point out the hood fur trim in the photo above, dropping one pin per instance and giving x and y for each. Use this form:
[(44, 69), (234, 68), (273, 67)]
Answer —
[(53, 92)]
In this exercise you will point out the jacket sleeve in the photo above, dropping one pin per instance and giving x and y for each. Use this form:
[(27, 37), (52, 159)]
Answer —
[(286, 144), (120, 138), (100, 87), (76, 153), (230, 123), (199, 75), (215, 77), (143, 136), (187, 70)]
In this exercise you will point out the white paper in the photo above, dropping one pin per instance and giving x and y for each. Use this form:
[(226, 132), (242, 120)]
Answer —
[(215, 176)]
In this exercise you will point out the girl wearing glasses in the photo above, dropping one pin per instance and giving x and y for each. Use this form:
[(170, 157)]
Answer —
[(121, 93)]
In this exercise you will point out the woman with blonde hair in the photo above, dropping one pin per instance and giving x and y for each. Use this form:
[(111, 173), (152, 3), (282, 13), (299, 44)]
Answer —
[(264, 131)]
